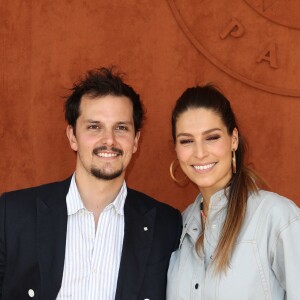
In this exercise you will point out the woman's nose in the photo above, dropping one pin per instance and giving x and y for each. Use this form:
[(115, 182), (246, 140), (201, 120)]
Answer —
[(200, 150)]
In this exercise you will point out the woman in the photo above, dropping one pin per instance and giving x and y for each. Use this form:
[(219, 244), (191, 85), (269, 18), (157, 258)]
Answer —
[(238, 242)]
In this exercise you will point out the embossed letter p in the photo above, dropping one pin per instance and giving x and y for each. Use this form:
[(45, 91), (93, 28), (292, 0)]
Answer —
[(235, 28)]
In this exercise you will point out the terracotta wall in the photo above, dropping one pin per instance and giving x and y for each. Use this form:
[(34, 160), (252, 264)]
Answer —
[(164, 47)]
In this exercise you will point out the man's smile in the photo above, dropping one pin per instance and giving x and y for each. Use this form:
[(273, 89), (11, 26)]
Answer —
[(103, 151), (105, 154)]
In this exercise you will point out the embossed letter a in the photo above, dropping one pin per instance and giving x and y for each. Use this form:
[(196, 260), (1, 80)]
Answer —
[(269, 54)]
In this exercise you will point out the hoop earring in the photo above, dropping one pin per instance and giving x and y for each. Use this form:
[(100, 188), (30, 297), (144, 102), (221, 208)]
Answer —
[(233, 162), (172, 174)]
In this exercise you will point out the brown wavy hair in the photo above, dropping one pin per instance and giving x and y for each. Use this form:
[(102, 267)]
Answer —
[(99, 83)]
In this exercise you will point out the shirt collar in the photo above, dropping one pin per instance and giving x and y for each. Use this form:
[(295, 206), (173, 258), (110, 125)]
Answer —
[(75, 204), (219, 199), (218, 202), (119, 201)]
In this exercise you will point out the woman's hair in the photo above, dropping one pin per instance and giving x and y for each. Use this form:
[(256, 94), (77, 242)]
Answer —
[(242, 183)]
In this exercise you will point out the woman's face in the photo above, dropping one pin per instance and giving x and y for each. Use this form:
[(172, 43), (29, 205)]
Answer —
[(204, 149)]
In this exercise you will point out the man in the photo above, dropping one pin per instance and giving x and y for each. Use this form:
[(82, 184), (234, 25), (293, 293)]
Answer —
[(89, 237)]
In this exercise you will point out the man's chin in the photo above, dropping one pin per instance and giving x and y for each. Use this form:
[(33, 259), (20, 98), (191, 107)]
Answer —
[(104, 175)]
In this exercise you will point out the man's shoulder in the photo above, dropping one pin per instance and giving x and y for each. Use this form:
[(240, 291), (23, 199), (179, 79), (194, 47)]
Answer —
[(166, 219), (35, 191), (138, 198)]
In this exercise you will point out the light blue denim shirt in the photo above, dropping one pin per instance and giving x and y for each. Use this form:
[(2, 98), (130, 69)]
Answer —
[(265, 263)]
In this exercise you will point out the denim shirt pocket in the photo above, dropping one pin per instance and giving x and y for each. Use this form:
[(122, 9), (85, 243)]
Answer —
[(246, 276)]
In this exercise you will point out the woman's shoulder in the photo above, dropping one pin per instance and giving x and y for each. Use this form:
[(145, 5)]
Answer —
[(274, 204)]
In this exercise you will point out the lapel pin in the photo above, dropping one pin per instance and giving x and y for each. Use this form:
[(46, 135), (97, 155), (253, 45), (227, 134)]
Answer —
[(31, 293), (145, 228)]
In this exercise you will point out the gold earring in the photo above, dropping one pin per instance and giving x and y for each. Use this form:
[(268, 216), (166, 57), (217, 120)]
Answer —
[(172, 174), (233, 162)]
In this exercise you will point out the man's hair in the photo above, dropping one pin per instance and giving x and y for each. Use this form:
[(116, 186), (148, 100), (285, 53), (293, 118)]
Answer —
[(99, 83)]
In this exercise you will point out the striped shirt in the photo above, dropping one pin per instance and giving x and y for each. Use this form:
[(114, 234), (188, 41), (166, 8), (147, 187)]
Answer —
[(92, 257)]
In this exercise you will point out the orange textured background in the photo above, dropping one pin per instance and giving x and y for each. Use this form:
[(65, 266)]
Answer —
[(46, 45)]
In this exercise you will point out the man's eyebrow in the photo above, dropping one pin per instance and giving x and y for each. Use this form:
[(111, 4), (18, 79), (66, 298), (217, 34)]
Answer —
[(125, 122), (89, 121), (92, 121)]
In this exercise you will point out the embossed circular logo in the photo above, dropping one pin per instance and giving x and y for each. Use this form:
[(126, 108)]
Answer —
[(254, 41), (283, 12)]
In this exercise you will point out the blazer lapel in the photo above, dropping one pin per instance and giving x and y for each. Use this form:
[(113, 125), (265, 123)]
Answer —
[(51, 236), (138, 236)]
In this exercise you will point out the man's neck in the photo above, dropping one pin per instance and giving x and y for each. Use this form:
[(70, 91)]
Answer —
[(96, 193)]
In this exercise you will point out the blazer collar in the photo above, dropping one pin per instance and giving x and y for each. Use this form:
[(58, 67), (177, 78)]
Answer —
[(51, 236), (138, 236)]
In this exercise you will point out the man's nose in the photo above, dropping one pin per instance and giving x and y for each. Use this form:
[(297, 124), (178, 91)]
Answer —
[(108, 138)]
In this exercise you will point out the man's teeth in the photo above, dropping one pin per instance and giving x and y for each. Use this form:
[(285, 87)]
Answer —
[(107, 154), (205, 167)]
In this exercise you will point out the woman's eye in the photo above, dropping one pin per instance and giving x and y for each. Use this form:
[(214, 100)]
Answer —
[(213, 137), (185, 142)]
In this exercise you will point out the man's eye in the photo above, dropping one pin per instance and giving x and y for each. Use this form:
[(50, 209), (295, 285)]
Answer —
[(93, 127), (185, 142), (122, 128)]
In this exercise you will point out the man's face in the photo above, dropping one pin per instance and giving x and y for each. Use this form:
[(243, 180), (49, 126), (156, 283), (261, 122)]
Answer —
[(105, 138)]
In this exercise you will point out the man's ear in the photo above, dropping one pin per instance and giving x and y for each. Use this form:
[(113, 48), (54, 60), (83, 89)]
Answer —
[(136, 141), (72, 138), (235, 139)]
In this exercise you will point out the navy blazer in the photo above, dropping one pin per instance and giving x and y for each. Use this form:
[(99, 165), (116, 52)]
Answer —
[(33, 224)]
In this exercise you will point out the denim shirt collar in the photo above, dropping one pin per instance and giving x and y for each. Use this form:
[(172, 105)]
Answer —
[(192, 225)]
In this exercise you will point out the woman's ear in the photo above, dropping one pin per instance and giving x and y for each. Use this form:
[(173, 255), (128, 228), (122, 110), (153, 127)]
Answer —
[(235, 139)]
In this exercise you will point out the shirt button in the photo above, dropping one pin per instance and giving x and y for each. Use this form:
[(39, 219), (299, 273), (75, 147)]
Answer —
[(196, 286), (94, 270), (31, 293)]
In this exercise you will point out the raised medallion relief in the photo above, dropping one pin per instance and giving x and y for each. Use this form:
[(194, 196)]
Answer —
[(254, 41)]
